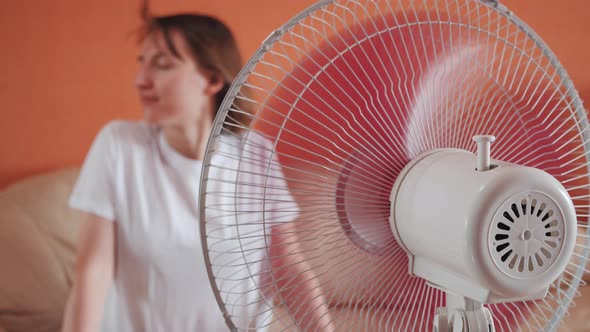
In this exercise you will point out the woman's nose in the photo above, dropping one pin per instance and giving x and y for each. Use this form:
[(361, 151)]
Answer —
[(143, 79)]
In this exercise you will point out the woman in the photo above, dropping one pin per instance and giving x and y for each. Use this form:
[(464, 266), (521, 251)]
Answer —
[(138, 190)]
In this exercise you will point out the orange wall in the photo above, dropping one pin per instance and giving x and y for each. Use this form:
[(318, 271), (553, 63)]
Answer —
[(67, 66)]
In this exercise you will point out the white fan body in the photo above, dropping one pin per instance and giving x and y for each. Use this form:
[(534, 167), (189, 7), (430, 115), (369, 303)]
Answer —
[(493, 236)]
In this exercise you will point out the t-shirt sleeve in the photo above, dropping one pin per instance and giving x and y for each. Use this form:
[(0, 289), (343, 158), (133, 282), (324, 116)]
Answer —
[(284, 207), (94, 189), (280, 204)]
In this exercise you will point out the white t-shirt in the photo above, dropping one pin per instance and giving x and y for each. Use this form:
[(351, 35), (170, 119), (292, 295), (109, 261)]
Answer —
[(134, 178)]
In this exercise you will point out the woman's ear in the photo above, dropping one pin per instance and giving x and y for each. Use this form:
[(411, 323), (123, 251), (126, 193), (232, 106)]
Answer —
[(215, 84)]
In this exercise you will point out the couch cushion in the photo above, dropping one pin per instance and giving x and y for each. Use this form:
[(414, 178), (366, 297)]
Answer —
[(38, 235)]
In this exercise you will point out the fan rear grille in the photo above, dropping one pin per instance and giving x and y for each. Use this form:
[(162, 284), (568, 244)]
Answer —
[(526, 235)]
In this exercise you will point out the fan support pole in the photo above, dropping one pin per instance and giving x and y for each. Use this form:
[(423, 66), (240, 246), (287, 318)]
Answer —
[(463, 315)]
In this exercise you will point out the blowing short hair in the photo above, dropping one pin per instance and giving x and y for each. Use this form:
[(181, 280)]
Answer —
[(214, 48)]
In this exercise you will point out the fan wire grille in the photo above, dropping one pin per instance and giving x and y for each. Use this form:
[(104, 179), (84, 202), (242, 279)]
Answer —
[(362, 87)]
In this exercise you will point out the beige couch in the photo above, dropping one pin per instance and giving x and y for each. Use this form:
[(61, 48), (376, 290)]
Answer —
[(38, 234)]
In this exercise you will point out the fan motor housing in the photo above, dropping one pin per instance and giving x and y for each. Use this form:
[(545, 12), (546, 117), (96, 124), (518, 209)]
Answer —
[(500, 235)]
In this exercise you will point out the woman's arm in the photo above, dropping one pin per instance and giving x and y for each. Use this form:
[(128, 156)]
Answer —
[(93, 275), (299, 287)]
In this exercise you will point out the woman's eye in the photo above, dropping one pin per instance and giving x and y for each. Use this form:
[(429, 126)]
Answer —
[(163, 64)]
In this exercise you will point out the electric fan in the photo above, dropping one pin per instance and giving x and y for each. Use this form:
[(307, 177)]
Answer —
[(349, 183)]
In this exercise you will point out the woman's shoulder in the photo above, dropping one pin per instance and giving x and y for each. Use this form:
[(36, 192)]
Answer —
[(127, 133), (248, 137), (247, 143)]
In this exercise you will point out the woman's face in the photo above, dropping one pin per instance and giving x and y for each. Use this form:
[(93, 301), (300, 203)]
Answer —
[(173, 91)]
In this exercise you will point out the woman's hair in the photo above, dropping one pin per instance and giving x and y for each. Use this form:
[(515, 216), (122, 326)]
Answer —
[(214, 48)]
